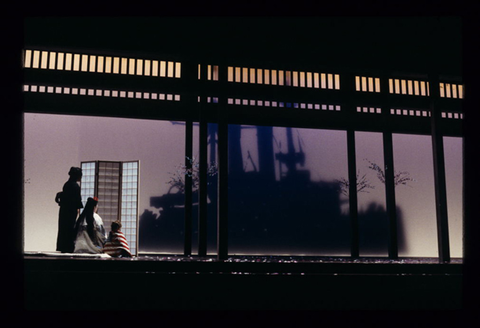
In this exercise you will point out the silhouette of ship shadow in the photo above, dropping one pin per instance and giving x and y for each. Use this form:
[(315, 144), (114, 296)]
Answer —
[(293, 215)]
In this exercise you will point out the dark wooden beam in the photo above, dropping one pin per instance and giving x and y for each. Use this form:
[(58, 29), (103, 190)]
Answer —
[(203, 162), (188, 189), (352, 193), (390, 195), (439, 174), (389, 171), (223, 169), (222, 220)]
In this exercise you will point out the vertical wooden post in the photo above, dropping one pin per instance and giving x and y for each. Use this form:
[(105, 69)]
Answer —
[(222, 214), (188, 189), (203, 162), (352, 193), (348, 91), (390, 195), (389, 169), (222, 200), (439, 173)]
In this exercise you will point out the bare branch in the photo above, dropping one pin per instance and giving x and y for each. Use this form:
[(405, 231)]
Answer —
[(177, 178), (399, 178), (362, 185)]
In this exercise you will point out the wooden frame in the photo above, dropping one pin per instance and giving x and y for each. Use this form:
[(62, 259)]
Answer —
[(189, 109)]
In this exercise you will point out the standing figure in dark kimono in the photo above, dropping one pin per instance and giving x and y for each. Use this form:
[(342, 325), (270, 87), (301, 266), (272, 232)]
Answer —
[(70, 203)]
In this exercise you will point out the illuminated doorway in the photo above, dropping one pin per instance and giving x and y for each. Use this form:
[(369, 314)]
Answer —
[(116, 186)]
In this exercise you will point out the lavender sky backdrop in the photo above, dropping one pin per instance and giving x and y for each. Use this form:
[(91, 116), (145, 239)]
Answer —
[(54, 143)]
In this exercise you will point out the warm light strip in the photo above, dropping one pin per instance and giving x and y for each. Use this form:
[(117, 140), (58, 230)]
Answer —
[(147, 67), (52, 60), (99, 64), (367, 84), (451, 90), (36, 59), (27, 58), (309, 80), (285, 78), (170, 69), (178, 70), (409, 87), (212, 72), (154, 67), (43, 62), (238, 72)]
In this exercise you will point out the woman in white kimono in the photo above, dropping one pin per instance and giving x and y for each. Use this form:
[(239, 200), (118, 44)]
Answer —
[(89, 230)]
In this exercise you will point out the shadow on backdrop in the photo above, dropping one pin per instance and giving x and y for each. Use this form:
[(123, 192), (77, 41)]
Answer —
[(291, 214)]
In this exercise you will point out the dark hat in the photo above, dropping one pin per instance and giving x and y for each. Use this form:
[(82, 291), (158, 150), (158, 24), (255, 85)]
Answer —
[(92, 200), (75, 171)]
